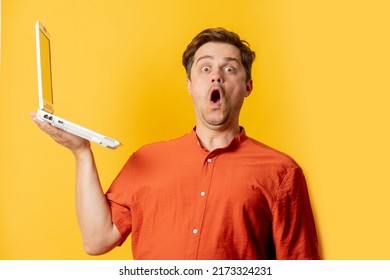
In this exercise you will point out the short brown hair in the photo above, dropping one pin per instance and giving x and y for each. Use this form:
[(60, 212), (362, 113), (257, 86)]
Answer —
[(219, 34)]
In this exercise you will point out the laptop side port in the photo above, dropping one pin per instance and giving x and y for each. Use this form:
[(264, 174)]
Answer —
[(50, 118)]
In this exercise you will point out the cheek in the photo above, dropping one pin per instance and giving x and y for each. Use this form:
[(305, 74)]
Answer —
[(198, 88), (240, 90)]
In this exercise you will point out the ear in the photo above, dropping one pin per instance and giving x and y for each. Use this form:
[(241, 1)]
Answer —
[(249, 88), (189, 84)]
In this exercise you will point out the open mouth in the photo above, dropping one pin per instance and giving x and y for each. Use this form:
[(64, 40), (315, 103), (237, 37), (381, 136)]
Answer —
[(215, 96)]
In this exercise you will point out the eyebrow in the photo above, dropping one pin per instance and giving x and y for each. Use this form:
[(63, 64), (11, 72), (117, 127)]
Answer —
[(228, 58)]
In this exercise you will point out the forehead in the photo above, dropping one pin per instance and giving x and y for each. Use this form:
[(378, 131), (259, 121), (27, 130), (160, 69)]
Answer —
[(217, 50)]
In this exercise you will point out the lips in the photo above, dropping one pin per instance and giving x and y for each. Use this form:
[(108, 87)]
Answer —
[(215, 95)]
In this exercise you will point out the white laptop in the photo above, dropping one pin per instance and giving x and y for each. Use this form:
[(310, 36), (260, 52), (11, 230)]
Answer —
[(45, 90)]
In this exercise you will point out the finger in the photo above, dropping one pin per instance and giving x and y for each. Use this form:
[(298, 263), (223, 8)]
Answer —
[(41, 124), (34, 117), (54, 132)]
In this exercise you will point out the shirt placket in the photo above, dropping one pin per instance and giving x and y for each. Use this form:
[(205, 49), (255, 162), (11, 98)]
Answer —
[(196, 231)]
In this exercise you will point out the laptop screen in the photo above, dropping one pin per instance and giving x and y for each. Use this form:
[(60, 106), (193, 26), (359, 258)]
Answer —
[(45, 70)]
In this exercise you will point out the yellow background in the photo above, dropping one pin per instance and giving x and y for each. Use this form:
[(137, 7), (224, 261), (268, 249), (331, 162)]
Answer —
[(321, 94)]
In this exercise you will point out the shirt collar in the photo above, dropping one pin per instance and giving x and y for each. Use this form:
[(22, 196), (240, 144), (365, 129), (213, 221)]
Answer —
[(235, 143)]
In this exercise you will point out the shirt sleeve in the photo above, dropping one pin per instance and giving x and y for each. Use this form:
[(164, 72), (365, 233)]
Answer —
[(294, 229), (118, 199)]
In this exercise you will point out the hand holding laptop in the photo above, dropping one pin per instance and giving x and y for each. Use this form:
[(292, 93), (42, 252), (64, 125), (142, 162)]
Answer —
[(64, 138)]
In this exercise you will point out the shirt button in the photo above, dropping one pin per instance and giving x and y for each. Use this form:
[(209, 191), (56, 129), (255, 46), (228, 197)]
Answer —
[(202, 193), (194, 231), (209, 160)]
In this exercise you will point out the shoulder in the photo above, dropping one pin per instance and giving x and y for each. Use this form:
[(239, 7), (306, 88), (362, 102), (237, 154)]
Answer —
[(161, 148), (268, 154)]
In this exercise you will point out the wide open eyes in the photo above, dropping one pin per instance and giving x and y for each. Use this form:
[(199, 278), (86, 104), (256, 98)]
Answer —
[(227, 69), (205, 69)]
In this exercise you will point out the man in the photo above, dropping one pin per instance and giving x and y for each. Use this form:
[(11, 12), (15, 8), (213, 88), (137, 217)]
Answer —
[(213, 193)]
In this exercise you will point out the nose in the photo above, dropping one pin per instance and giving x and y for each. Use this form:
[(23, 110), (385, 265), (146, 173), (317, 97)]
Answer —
[(216, 77)]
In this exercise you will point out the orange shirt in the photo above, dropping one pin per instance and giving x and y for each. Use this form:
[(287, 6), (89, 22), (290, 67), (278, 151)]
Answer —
[(244, 201)]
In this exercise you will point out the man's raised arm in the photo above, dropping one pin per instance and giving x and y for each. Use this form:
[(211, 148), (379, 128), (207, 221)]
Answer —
[(99, 234)]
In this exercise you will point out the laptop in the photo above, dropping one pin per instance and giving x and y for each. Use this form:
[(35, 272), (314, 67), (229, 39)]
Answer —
[(45, 91)]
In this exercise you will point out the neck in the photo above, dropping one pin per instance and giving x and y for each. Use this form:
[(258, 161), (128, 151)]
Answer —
[(214, 139)]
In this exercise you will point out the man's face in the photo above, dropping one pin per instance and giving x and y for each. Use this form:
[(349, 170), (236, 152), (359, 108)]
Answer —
[(218, 85)]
